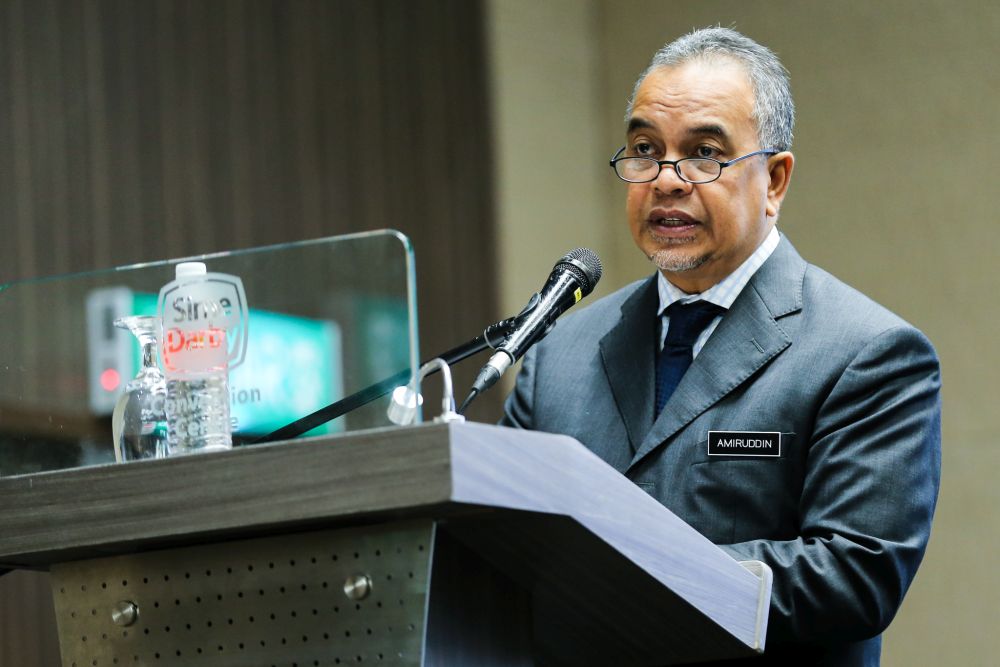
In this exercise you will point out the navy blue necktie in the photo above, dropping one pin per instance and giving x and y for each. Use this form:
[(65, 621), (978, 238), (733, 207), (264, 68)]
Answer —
[(687, 321)]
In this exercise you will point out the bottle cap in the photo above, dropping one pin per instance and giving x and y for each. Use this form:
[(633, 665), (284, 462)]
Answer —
[(187, 269)]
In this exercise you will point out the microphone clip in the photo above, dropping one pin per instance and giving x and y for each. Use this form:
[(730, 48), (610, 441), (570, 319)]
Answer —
[(406, 400)]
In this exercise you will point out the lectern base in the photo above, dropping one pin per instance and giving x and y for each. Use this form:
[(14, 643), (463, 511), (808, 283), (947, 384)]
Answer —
[(392, 594), (271, 601)]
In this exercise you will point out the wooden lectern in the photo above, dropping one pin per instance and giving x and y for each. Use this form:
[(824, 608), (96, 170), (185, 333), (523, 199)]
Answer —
[(442, 544)]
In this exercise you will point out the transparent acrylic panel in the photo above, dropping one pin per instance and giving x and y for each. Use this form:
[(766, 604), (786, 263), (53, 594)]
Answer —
[(327, 318)]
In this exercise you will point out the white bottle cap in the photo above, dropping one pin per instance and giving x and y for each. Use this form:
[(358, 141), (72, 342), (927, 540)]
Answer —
[(188, 269)]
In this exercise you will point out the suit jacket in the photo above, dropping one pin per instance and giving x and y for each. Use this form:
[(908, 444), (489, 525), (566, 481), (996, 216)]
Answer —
[(843, 515)]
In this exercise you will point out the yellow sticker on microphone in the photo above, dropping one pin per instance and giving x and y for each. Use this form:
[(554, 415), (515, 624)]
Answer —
[(578, 294)]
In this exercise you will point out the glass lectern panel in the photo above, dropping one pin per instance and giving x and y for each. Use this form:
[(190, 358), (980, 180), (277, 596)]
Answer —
[(323, 319)]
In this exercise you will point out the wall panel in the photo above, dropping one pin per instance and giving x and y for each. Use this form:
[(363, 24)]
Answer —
[(136, 131)]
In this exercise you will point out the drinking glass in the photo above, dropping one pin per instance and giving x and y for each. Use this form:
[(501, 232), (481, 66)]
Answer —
[(139, 421)]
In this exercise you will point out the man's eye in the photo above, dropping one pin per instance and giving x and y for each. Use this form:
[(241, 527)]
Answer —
[(706, 151), (642, 148)]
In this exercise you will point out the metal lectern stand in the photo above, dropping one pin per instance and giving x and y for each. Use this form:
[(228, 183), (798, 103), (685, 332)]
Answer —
[(457, 544)]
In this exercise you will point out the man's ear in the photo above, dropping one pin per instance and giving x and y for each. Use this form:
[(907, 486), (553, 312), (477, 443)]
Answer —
[(779, 169)]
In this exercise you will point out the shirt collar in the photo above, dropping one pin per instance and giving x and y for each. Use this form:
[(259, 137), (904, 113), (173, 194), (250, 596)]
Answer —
[(724, 292)]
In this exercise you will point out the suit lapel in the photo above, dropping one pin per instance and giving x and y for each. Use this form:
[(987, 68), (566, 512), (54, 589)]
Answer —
[(628, 354), (747, 338)]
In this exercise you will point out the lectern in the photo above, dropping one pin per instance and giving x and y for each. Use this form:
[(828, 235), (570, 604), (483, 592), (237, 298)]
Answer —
[(439, 544)]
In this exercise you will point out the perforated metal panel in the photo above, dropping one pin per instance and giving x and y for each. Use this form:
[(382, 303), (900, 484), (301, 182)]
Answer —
[(272, 601)]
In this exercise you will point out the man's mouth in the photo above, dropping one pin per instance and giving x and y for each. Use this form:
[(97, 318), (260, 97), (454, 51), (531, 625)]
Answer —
[(672, 222)]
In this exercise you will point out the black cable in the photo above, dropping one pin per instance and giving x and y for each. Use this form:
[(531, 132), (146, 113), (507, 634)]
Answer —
[(490, 338), (334, 410)]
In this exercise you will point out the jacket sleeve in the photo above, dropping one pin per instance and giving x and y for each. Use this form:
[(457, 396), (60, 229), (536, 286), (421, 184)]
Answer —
[(517, 409), (868, 496)]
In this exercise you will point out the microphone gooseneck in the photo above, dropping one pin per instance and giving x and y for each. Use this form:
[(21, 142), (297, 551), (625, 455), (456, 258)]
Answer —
[(572, 278)]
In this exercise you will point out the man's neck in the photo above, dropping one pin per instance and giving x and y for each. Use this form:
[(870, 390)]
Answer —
[(725, 291), (693, 282)]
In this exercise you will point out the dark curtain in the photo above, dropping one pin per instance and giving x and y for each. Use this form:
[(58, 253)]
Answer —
[(133, 131)]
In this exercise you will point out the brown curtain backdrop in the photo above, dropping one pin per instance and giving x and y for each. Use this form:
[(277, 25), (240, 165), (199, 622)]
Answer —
[(133, 131)]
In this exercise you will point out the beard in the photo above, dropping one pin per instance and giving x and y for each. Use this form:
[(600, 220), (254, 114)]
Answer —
[(676, 259)]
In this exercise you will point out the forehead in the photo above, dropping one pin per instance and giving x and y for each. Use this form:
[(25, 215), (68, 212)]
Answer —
[(699, 93)]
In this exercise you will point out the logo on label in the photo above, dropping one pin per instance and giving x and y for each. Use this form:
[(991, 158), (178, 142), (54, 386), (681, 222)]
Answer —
[(204, 324), (744, 443)]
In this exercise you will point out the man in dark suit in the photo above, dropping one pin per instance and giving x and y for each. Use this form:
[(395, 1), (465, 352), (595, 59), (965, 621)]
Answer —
[(787, 417)]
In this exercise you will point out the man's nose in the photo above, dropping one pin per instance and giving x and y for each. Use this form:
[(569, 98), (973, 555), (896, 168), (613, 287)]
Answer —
[(669, 182)]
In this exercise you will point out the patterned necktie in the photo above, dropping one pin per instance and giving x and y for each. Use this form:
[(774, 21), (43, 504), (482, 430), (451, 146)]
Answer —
[(687, 321)]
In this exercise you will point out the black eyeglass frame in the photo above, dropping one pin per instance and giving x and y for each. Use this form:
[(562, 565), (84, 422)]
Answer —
[(677, 170)]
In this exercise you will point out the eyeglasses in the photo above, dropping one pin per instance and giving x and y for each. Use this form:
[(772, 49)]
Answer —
[(695, 170)]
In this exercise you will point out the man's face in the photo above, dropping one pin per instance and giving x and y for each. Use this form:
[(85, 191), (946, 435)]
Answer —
[(699, 234)]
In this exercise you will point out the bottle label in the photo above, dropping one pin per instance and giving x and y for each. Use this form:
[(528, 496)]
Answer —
[(204, 321)]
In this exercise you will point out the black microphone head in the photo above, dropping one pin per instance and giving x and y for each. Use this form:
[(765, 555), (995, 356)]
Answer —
[(585, 265)]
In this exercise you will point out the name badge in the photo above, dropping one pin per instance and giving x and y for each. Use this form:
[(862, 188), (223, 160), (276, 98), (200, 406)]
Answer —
[(744, 443)]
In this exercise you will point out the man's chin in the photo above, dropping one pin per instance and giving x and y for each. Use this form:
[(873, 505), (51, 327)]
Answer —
[(676, 260)]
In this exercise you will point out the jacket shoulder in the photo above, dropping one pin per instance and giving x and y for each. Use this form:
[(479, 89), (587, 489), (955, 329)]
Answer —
[(602, 315), (846, 309)]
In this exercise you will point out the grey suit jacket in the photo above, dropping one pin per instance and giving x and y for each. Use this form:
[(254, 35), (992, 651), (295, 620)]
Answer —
[(843, 515)]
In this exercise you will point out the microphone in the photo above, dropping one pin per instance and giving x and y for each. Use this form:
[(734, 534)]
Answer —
[(573, 277)]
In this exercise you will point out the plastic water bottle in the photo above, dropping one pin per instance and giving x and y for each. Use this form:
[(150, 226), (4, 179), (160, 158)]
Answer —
[(198, 416), (196, 354)]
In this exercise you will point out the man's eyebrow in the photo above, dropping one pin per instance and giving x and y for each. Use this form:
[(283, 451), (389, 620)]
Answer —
[(711, 130), (638, 124), (699, 131)]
